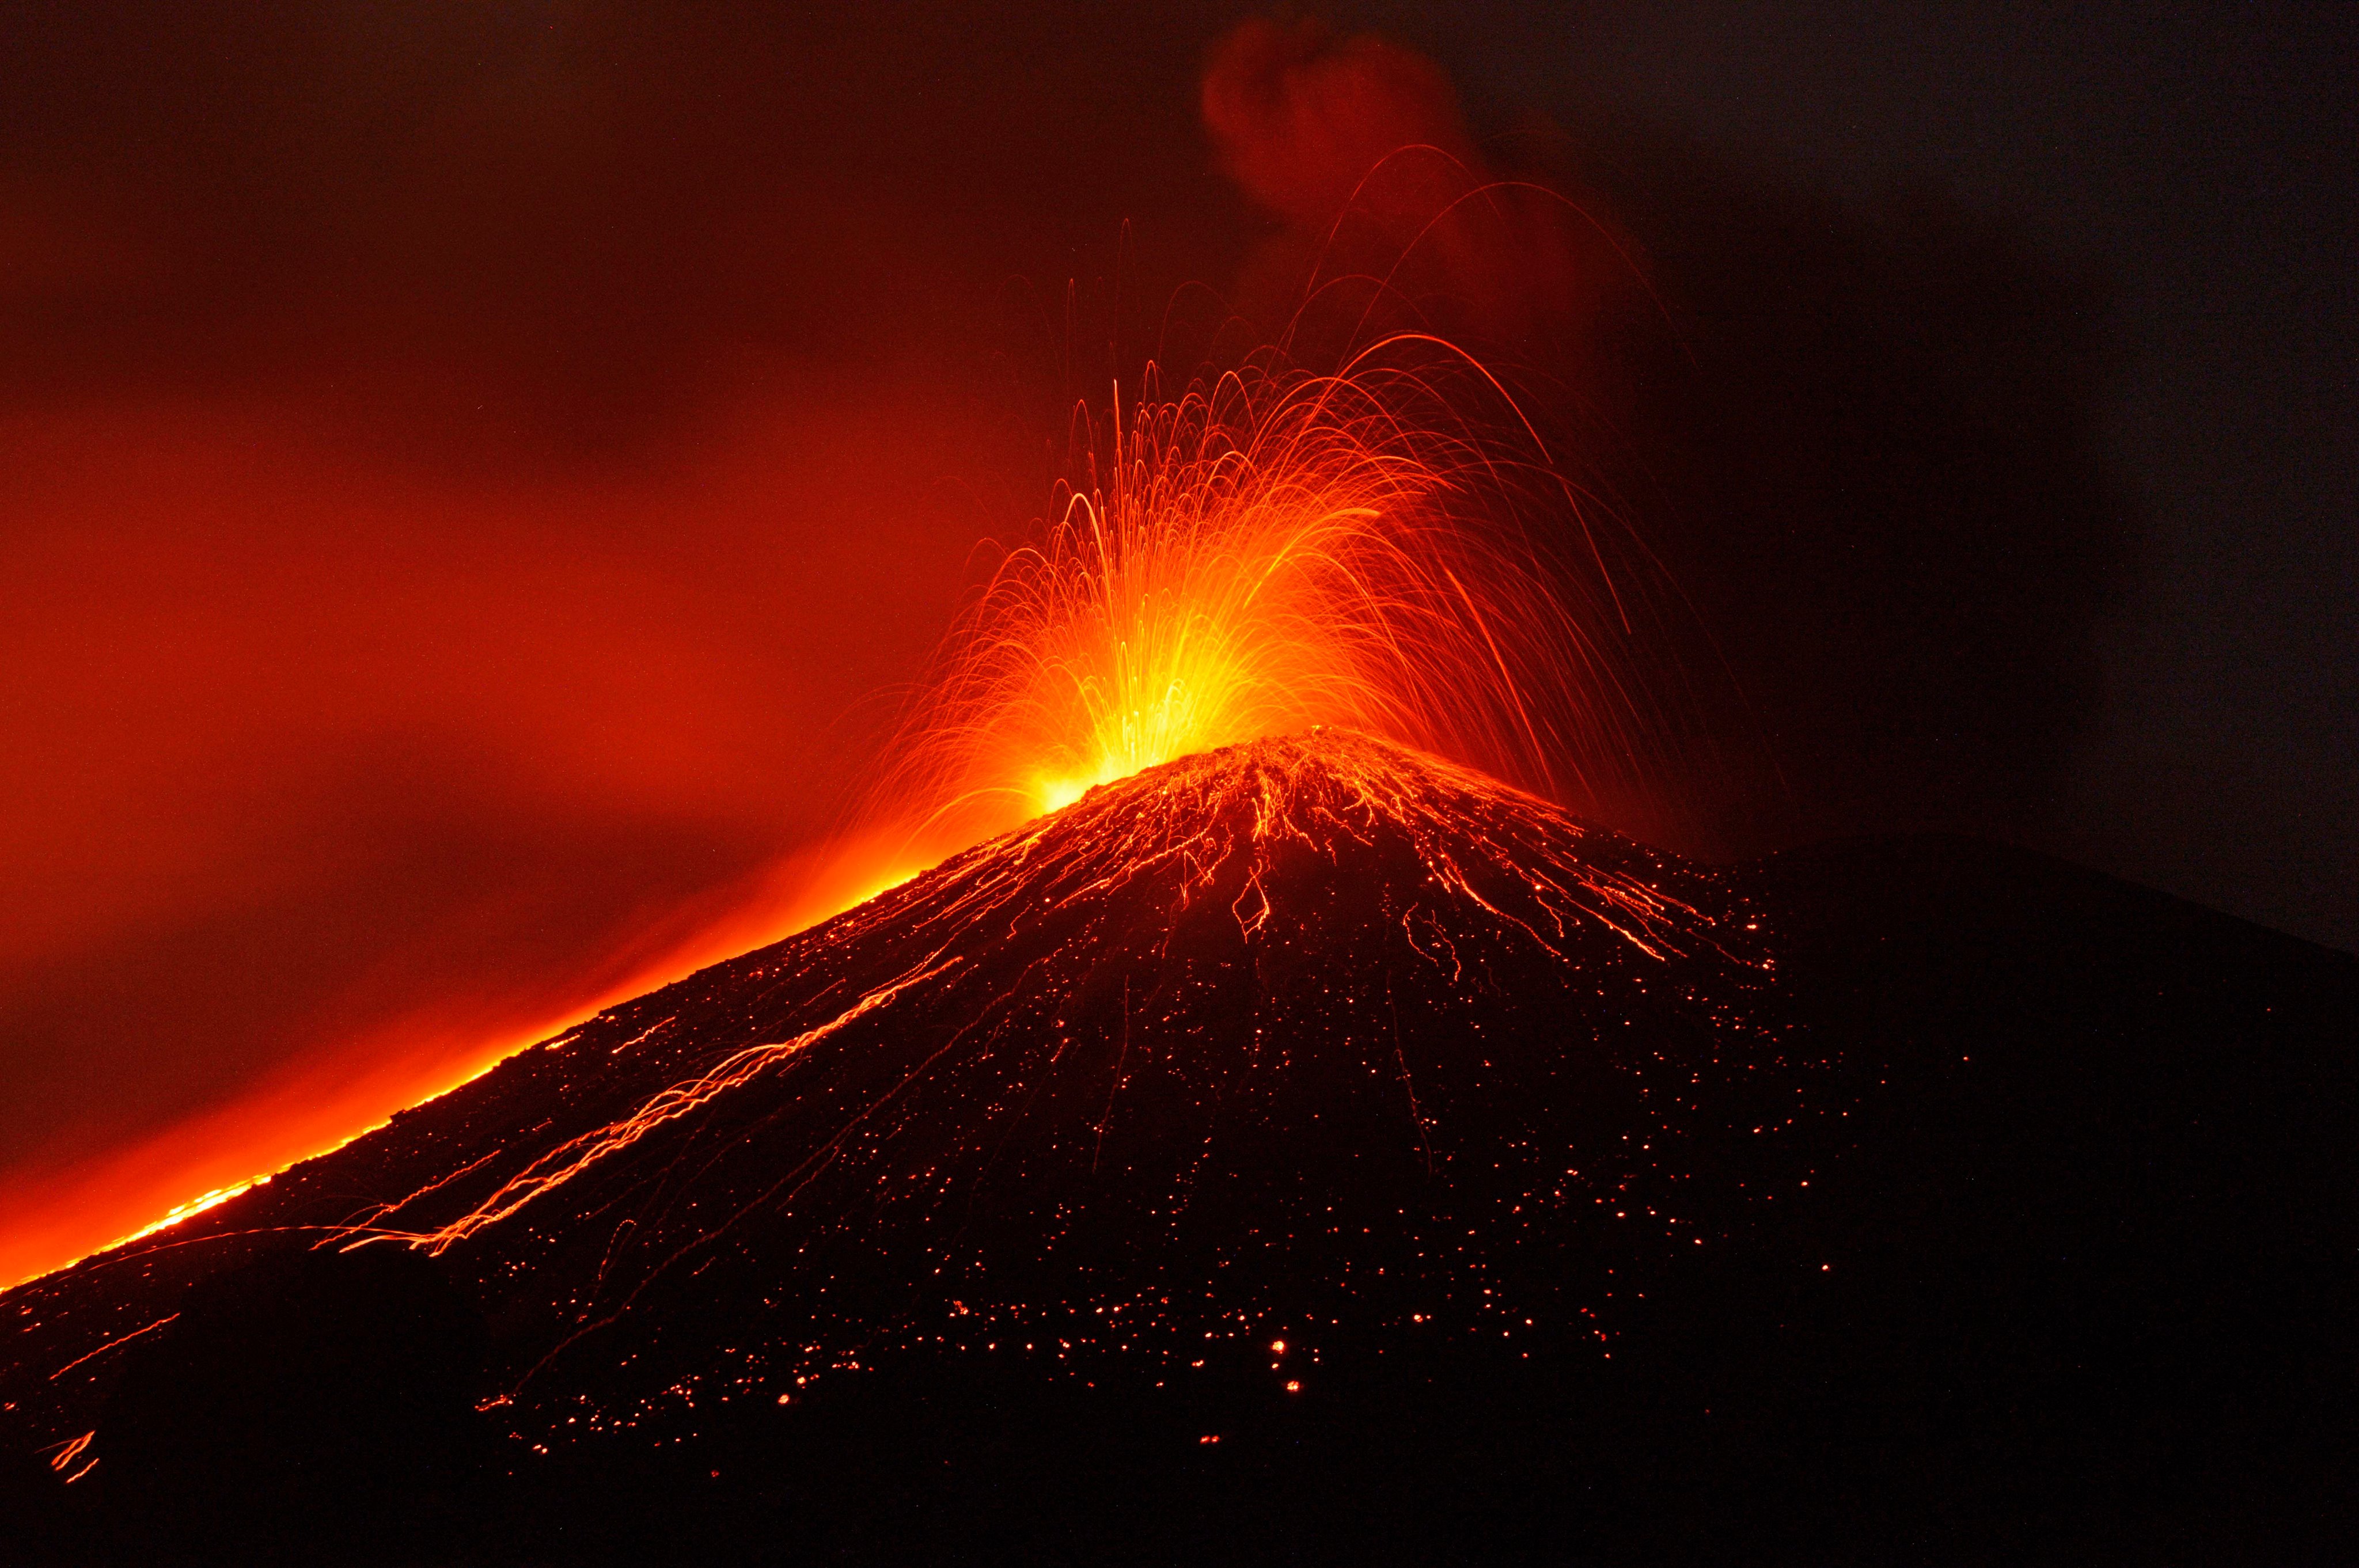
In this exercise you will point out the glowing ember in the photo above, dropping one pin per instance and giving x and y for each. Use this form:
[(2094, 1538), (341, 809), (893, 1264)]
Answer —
[(1271, 552)]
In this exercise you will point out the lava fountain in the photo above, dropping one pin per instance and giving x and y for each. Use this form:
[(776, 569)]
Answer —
[(1272, 550)]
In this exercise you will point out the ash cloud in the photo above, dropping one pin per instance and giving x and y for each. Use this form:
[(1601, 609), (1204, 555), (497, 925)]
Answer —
[(1360, 148), (1863, 443)]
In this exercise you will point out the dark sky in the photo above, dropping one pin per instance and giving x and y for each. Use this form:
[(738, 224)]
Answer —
[(2198, 163), (469, 471)]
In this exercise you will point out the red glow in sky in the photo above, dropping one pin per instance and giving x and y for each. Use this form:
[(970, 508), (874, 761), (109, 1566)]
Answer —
[(453, 550), (339, 779)]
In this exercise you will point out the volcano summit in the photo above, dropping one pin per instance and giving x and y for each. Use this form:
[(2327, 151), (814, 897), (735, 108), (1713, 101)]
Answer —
[(1313, 1108), (1307, 1034)]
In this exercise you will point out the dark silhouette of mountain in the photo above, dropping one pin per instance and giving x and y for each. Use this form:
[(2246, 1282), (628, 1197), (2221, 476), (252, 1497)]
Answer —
[(308, 1406), (1305, 1150)]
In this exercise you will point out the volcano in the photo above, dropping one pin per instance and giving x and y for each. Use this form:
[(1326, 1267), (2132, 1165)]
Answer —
[(1302, 1147)]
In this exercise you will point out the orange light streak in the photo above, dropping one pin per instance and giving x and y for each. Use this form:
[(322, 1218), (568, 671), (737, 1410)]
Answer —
[(562, 1163), (119, 1339), (308, 1115), (1275, 550), (66, 1453)]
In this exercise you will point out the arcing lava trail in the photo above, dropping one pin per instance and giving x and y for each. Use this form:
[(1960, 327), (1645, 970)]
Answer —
[(1313, 1039)]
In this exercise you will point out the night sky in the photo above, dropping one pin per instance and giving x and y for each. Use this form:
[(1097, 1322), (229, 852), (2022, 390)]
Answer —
[(2194, 167), (470, 473)]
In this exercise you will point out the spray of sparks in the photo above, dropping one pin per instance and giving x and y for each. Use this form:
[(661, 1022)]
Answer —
[(1271, 551)]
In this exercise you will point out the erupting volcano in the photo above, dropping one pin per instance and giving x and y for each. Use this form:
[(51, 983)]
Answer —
[(1255, 1110), (1284, 1039)]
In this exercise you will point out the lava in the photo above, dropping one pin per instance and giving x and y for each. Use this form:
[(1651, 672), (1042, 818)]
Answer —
[(1272, 550)]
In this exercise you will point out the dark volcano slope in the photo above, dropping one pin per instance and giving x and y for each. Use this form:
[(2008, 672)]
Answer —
[(1305, 1035), (1313, 1149), (2094, 1225)]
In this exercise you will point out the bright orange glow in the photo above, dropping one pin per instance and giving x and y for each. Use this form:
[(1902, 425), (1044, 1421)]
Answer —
[(303, 1115), (1327, 557), (1267, 553), (219, 618), (194, 1207)]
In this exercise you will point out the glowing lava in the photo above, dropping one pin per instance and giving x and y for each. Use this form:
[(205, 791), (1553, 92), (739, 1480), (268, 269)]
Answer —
[(1272, 551), (1209, 824)]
